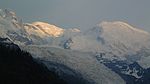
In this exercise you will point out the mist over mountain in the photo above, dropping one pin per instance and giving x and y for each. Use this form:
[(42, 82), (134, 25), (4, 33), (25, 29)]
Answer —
[(109, 53)]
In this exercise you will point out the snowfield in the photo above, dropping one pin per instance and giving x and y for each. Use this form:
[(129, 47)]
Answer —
[(81, 62), (109, 53)]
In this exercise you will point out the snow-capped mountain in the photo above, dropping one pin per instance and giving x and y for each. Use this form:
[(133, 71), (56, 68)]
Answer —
[(93, 55), (12, 27), (119, 46), (117, 40), (44, 33), (37, 38), (113, 38), (32, 33)]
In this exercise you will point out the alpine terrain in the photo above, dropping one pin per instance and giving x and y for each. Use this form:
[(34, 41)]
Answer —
[(109, 53)]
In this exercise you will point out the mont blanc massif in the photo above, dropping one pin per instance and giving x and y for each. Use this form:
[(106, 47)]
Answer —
[(41, 53)]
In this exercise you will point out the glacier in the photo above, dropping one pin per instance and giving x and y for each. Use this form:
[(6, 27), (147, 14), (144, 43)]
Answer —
[(109, 53), (47, 47)]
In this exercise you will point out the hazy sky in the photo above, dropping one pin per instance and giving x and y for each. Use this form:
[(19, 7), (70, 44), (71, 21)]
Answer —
[(82, 13)]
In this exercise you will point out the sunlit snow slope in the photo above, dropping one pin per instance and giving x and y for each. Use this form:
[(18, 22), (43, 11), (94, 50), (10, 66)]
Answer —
[(107, 41), (38, 37)]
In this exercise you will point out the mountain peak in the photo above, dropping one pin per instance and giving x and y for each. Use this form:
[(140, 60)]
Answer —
[(44, 25), (7, 13), (118, 25), (117, 37), (45, 29)]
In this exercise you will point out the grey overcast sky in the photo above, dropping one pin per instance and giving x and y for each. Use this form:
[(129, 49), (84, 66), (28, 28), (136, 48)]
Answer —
[(82, 13)]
